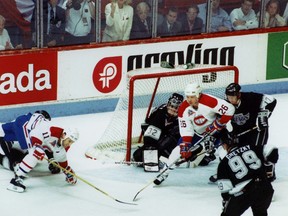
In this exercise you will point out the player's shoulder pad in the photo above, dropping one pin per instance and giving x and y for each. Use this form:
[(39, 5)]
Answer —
[(183, 106), (209, 100)]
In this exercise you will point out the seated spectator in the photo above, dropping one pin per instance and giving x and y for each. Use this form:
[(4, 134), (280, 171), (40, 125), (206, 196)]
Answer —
[(170, 26), (220, 20), (54, 20), (5, 43), (79, 16), (191, 23), (284, 9), (272, 17), (244, 17), (119, 18), (142, 23)]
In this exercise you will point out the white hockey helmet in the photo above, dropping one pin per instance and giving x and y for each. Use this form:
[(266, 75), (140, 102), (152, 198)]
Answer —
[(73, 134), (193, 89)]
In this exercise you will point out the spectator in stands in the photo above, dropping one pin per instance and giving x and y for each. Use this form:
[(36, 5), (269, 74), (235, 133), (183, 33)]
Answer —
[(79, 16), (284, 9), (119, 18), (5, 42), (244, 17), (54, 21), (272, 17), (170, 26), (191, 23), (220, 20), (142, 23)]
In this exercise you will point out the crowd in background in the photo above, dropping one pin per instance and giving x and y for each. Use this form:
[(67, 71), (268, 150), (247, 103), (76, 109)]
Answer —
[(48, 23)]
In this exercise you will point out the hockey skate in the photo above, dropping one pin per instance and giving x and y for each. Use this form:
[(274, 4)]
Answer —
[(16, 184), (213, 179), (161, 178)]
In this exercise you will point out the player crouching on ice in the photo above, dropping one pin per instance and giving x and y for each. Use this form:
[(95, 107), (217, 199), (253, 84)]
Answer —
[(198, 115), (45, 137), (161, 134)]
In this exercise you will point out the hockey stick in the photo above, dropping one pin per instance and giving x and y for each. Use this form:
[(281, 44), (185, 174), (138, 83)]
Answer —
[(129, 162), (169, 167), (201, 153), (88, 183), (247, 131)]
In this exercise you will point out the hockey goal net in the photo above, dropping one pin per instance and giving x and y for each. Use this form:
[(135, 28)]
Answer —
[(149, 88)]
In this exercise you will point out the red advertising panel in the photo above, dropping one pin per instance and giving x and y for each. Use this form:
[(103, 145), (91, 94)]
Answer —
[(28, 78)]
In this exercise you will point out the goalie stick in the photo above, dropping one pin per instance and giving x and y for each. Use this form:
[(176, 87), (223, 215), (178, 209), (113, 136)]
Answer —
[(170, 166), (88, 183)]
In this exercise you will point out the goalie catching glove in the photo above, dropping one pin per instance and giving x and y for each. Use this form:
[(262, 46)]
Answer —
[(262, 120), (70, 178)]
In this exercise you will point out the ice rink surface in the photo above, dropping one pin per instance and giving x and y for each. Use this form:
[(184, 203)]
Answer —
[(185, 192)]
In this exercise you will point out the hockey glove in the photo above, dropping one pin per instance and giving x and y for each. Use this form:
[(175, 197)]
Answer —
[(184, 150), (262, 120), (70, 178), (53, 168), (215, 126)]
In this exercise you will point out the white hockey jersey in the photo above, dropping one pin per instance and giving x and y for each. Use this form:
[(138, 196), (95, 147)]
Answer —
[(193, 120)]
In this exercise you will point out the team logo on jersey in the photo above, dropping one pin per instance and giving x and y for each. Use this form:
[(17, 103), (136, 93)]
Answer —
[(107, 74), (241, 119), (200, 120), (190, 112)]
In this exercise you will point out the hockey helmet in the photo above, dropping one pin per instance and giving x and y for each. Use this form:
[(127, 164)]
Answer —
[(44, 113), (233, 89), (228, 138), (73, 134), (193, 89), (175, 100)]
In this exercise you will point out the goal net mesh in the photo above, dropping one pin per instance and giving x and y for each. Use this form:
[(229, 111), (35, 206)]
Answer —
[(145, 90)]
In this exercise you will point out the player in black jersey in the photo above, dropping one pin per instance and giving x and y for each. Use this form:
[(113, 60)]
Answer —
[(161, 132), (242, 178), (253, 109)]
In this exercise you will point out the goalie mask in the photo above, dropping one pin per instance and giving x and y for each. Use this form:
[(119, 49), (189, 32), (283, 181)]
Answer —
[(173, 104)]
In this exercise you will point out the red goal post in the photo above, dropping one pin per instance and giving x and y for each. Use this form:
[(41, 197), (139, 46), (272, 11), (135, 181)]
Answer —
[(146, 89)]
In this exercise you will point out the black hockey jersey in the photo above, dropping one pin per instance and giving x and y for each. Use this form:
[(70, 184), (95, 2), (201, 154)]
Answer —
[(240, 166), (159, 118), (246, 112)]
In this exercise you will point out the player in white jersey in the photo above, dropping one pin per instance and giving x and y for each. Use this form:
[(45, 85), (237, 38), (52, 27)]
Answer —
[(199, 114), (45, 136)]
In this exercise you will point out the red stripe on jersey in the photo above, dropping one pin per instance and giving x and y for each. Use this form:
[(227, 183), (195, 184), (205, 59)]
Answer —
[(56, 131), (35, 141), (224, 119), (182, 108), (207, 100)]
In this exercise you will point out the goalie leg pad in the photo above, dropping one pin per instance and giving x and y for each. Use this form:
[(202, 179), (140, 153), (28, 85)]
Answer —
[(151, 161)]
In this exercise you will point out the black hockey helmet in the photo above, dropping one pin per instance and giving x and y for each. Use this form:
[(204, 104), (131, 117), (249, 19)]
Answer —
[(233, 89), (228, 137), (175, 100), (44, 113)]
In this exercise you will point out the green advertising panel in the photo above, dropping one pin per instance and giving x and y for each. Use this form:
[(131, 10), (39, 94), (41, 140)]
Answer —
[(277, 57)]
